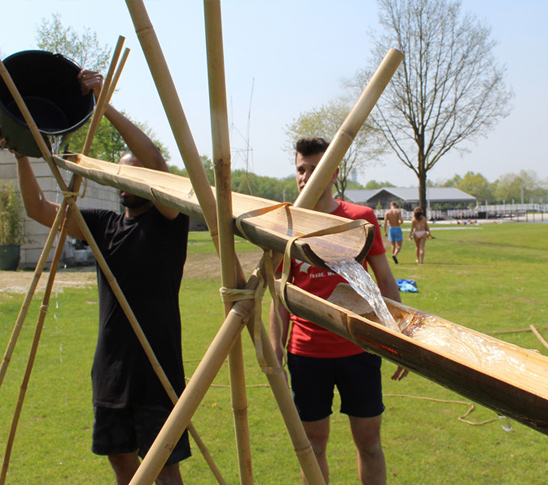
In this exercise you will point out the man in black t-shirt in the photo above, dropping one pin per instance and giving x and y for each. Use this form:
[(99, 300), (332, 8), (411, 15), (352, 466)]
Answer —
[(145, 248)]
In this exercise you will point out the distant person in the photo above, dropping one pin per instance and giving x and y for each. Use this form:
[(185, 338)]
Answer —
[(419, 232), (393, 219), (145, 247), (319, 360)]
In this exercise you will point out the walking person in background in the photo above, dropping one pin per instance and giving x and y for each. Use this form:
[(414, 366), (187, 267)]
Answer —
[(393, 219), (419, 232)]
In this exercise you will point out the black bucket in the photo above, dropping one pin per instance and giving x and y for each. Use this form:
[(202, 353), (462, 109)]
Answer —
[(50, 88)]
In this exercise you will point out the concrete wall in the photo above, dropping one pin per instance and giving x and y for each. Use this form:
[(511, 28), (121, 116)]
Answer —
[(97, 196)]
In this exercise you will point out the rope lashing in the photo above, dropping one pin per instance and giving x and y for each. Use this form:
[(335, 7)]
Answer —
[(67, 194), (255, 213), (266, 261), (286, 266)]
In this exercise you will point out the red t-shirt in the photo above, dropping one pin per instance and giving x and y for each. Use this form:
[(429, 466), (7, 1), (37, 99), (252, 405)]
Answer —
[(307, 338)]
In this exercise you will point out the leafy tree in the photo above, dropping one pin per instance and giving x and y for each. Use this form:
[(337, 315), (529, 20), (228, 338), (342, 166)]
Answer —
[(523, 187), (208, 167), (84, 49), (449, 88), (353, 185), (477, 185), (373, 185), (452, 182), (108, 144), (324, 122), (281, 190)]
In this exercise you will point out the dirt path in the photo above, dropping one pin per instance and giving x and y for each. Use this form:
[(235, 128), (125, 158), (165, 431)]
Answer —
[(197, 266)]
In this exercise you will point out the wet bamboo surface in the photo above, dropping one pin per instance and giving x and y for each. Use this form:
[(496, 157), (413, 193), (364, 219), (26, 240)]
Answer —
[(515, 386)]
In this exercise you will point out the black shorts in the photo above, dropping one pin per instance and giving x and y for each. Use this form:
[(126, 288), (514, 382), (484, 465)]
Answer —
[(133, 429), (358, 379)]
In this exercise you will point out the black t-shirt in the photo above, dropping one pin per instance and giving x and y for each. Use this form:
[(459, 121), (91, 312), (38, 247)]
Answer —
[(146, 255)]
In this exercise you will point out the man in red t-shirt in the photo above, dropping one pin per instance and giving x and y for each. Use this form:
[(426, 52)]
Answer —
[(319, 360)]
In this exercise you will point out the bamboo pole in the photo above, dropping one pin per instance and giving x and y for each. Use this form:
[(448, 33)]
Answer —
[(539, 336), (170, 100), (118, 73), (32, 289), (32, 355), (348, 130), (202, 378), (227, 252), (174, 111)]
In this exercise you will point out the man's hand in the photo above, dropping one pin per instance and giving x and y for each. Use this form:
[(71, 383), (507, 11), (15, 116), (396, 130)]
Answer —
[(90, 81), (4, 144), (400, 374)]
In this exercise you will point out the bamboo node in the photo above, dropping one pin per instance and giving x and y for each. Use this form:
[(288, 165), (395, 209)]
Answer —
[(272, 370)]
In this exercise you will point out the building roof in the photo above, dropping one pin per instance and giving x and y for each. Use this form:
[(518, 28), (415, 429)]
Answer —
[(410, 194)]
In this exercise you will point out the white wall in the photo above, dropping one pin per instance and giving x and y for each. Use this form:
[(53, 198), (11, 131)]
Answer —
[(97, 196)]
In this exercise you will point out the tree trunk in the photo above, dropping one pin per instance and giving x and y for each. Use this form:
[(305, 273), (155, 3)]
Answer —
[(422, 175)]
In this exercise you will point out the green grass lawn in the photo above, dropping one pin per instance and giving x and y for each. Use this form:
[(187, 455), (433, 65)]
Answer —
[(490, 277)]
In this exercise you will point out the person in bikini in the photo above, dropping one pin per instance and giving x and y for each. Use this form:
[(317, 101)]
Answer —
[(393, 219), (419, 232)]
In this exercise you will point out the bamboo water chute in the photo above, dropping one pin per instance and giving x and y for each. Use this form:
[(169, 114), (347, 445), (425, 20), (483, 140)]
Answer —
[(521, 395), (524, 403), (272, 229)]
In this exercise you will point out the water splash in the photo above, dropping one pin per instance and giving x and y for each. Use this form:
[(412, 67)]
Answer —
[(446, 338), (363, 284), (55, 142), (505, 423)]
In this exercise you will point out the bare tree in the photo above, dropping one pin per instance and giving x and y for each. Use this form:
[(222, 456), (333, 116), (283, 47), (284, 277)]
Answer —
[(449, 88), (324, 121)]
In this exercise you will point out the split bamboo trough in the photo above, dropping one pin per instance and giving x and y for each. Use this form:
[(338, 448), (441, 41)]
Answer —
[(506, 378), (265, 223), (515, 385)]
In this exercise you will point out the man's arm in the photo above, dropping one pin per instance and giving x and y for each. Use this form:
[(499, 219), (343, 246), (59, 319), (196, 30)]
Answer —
[(385, 222), (36, 205), (138, 142)]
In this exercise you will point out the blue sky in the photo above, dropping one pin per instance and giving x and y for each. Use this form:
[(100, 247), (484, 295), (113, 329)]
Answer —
[(286, 57)]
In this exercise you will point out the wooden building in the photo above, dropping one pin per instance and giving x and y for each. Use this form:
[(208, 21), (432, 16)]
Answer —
[(408, 198)]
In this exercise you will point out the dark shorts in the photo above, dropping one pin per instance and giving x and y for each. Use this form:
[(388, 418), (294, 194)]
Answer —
[(358, 379), (133, 429), (395, 234)]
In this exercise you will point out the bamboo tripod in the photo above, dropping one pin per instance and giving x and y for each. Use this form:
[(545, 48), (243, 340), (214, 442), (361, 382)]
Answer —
[(218, 216), (69, 201)]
